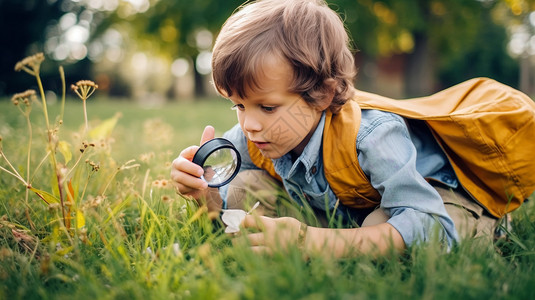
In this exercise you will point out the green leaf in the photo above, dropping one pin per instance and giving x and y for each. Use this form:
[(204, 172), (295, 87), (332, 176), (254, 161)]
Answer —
[(65, 149), (47, 197), (105, 128)]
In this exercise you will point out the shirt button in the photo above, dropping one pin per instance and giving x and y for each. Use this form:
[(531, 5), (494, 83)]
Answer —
[(314, 170)]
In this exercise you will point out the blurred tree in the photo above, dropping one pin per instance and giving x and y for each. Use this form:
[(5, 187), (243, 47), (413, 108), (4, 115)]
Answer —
[(438, 40), (480, 57), (21, 29), (435, 37), (175, 26), (520, 17), (426, 32), (25, 28)]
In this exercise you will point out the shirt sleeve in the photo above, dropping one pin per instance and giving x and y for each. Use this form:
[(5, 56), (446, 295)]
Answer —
[(236, 136), (388, 157)]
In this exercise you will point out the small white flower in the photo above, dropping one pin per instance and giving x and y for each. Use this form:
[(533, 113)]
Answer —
[(233, 218), (176, 249)]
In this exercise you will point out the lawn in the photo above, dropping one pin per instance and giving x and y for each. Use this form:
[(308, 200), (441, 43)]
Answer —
[(114, 229)]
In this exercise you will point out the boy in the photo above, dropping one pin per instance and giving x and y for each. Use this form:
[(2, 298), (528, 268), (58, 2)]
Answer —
[(286, 67)]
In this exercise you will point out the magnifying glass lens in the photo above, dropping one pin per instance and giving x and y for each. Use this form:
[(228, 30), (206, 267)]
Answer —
[(220, 166), (220, 161)]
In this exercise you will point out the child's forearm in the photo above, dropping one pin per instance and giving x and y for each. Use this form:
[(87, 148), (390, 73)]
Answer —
[(374, 240)]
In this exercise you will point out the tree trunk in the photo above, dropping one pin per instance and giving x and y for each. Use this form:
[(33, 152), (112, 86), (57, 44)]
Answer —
[(420, 68), (200, 92), (525, 76)]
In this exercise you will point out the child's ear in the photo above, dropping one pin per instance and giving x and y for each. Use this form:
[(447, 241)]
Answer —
[(328, 89)]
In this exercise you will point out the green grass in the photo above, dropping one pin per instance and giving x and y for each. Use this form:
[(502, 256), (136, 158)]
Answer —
[(108, 258), (139, 128)]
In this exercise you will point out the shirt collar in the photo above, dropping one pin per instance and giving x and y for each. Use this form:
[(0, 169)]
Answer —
[(309, 157)]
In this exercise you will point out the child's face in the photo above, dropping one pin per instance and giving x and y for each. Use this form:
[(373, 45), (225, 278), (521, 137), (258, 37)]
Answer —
[(276, 120)]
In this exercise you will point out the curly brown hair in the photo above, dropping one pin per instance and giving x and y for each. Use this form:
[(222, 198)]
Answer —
[(307, 34)]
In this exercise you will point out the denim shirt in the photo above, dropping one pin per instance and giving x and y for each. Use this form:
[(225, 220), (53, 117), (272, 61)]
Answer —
[(396, 159)]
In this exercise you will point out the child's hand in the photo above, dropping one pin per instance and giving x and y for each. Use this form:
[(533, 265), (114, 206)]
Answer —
[(273, 233), (186, 175)]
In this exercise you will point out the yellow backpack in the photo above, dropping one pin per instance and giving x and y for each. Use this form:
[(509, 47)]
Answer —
[(487, 131)]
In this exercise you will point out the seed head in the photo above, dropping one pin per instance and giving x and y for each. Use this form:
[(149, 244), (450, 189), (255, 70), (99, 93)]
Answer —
[(94, 166), (84, 88), (166, 199), (94, 201), (31, 64), (82, 235), (25, 97), (53, 207)]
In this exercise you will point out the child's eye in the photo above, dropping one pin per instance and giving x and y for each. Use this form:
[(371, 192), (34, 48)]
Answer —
[(238, 107), (268, 109)]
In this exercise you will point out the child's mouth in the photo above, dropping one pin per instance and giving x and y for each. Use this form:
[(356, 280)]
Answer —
[(261, 145)]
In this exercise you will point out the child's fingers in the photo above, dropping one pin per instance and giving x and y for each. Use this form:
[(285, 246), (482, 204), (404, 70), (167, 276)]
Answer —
[(181, 164), (186, 183), (255, 222), (189, 152), (207, 134), (256, 239), (186, 176), (262, 250)]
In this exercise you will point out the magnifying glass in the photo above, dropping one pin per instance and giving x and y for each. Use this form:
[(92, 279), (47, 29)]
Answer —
[(220, 160)]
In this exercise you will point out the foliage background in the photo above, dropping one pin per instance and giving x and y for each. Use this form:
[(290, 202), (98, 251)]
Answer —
[(154, 51)]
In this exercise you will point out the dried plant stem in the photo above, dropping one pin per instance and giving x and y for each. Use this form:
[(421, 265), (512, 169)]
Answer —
[(28, 172), (14, 173), (85, 117), (63, 91), (57, 177), (110, 179), (28, 160), (127, 165), (45, 111), (26, 114), (51, 145), (84, 89), (66, 222), (85, 187), (74, 166), (39, 165)]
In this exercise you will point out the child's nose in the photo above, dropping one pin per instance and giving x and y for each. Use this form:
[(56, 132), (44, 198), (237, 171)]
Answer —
[(251, 124)]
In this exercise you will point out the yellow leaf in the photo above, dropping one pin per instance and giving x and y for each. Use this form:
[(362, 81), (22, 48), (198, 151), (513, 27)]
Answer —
[(105, 128), (80, 219), (47, 197), (65, 149)]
